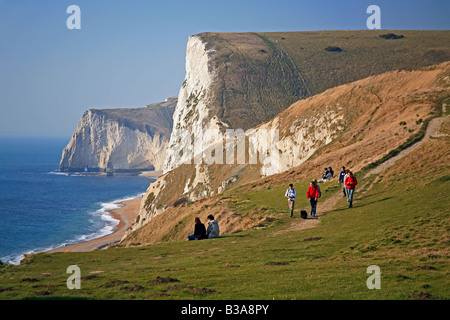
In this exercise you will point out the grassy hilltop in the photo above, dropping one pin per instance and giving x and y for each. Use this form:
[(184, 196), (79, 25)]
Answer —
[(261, 74)]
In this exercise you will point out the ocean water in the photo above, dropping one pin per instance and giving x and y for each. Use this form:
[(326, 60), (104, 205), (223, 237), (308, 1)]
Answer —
[(41, 208)]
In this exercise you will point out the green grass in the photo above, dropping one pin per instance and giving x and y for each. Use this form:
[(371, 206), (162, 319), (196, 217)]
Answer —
[(261, 74), (402, 232)]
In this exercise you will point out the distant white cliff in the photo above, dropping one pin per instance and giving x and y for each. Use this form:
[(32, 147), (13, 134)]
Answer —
[(121, 139)]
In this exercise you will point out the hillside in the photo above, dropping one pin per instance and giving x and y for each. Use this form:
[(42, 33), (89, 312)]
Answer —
[(395, 225), (261, 74), (120, 139), (240, 80), (351, 125)]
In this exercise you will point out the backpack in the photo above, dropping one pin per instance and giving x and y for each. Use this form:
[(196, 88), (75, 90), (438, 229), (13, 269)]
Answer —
[(303, 214), (320, 193)]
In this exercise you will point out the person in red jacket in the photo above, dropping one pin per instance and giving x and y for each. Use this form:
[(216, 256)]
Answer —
[(350, 183), (313, 194)]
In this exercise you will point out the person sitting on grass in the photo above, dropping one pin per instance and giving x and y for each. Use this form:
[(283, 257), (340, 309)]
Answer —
[(213, 228), (324, 175), (199, 231), (330, 173)]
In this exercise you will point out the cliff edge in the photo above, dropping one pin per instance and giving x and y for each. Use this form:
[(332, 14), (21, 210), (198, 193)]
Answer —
[(120, 139)]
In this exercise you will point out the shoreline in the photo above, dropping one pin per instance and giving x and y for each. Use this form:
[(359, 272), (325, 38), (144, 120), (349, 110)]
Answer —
[(126, 214)]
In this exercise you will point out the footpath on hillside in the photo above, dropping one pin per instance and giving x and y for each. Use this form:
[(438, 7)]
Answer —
[(330, 203)]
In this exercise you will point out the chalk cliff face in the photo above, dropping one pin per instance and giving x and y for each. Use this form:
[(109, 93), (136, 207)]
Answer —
[(192, 115), (233, 81), (120, 139)]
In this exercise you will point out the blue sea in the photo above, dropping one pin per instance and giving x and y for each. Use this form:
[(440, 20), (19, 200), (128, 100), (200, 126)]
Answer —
[(42, 209)]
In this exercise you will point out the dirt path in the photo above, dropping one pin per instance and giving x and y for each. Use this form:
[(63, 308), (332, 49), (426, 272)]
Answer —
[(322, 209), (432, 131), (298, 224)]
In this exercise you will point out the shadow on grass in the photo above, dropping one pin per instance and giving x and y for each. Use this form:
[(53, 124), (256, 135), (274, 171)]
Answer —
[(233, 236), (359, 205)]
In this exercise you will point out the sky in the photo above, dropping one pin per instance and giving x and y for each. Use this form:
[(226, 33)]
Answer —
[(132, 53)]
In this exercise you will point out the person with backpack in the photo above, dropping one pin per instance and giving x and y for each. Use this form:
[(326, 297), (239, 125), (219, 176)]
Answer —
[(341, 181), (318, 187), (351, 183), (313, 194), (199, 231), (291, 194), (213, 228)]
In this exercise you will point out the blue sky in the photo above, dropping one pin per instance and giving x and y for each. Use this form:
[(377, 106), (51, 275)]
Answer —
[(131, 53)]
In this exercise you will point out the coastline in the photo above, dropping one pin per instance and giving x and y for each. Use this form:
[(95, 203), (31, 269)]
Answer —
[(126, 214)]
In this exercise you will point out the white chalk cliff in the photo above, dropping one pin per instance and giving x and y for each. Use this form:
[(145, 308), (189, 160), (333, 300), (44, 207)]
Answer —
[(194, 127), (120, 139)]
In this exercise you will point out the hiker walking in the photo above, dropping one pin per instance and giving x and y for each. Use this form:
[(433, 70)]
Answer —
[(341, 181), (318, 187), (291, 194), (351, 183), (313, 194)]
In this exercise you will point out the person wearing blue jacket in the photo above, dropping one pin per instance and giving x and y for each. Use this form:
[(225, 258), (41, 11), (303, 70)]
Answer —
[(341, 181)]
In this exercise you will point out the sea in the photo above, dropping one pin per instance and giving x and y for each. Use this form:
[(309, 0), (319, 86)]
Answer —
[(42, 208)]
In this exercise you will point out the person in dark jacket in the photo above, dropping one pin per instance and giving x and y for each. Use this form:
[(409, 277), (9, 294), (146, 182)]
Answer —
[(330, 173), (341, 181), (199, 231)]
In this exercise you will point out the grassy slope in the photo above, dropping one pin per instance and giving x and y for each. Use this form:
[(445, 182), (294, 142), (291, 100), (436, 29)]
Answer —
[(401, 225), (364, 53), (261, 74)]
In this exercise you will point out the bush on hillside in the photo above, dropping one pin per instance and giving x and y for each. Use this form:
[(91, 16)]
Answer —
[(333, 49), (388, 36)]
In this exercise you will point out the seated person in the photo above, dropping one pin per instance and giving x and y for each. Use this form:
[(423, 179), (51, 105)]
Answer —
[(199, 231), (213, 228), (325, 174), (330, 173)]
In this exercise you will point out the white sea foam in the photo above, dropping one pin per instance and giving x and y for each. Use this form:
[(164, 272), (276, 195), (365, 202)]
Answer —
[(109, 225), (59, 173)]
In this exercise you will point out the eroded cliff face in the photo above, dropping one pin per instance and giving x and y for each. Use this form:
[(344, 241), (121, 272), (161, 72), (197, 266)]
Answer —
[(120, 139), (193, 113)]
